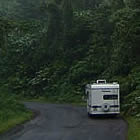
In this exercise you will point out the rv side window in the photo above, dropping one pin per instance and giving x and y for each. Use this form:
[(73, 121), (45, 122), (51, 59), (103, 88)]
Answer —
[(110, 97)]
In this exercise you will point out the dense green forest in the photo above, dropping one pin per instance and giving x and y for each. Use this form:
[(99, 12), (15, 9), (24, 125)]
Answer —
[(54, 48)]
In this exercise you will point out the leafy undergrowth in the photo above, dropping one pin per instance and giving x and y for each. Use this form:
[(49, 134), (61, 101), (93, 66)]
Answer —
[(134, 129), (12, 112), (55, 101), (14, 120)]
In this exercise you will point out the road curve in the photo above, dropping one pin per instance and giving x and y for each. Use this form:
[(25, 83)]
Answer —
[(67, 122)]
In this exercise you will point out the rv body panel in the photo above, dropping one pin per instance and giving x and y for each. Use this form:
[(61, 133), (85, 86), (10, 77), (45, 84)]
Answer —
[(103, 98)]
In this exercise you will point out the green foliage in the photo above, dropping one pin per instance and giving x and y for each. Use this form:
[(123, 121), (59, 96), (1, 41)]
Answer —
[(133, 128), (125, 39), (12, 112), (23, 9), (135, 4), (132, 100)]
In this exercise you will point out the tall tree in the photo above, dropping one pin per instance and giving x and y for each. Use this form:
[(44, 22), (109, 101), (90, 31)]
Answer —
[(67, 14)]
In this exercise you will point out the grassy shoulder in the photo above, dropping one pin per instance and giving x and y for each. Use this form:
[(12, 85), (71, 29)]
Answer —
[(12, 111), (55, 101), (133, 128), (14, 120)]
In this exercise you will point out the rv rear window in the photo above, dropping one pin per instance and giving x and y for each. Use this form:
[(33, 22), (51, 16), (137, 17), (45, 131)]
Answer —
[(110, 97)]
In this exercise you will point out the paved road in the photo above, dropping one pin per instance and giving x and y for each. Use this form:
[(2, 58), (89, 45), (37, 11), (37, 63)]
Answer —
[(67, 122)]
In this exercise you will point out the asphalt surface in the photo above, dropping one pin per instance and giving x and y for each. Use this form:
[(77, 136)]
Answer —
[(67, 122)]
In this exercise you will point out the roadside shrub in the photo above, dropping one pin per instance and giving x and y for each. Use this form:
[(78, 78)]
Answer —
[(132, 101), (9, 106)]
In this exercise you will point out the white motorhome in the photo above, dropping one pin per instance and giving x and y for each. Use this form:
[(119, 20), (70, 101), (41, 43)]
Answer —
[(103, 98)]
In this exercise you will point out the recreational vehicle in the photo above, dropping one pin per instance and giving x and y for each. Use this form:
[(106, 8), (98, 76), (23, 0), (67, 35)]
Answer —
[(103, 98)]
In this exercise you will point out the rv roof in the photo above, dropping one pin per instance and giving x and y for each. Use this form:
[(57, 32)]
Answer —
[(114, 85)]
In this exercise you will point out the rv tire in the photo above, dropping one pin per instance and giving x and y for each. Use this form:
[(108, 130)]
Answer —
[(89, 115)]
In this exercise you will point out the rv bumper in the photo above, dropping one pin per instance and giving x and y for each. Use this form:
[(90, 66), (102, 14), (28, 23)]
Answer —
[(103, 113)]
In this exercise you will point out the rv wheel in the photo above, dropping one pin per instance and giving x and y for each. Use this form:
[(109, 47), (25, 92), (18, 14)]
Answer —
[(89, 115)]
